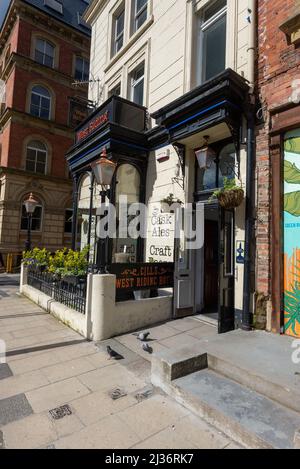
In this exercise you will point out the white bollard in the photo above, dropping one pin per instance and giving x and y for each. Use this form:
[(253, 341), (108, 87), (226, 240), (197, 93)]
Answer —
[(103, 307)]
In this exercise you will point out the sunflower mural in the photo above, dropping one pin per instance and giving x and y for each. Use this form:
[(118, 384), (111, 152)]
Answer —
[(292, 234)]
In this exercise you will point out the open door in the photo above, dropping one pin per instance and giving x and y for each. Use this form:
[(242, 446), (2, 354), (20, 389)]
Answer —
[(226, 287), (184, 281)]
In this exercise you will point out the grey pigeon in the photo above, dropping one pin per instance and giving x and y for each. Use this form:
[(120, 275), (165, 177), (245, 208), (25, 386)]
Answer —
[(113, 354), (143, 336), (147, 348)]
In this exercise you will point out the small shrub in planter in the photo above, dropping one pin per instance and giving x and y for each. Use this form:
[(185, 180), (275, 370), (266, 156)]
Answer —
[(230, 196), (37, 259)]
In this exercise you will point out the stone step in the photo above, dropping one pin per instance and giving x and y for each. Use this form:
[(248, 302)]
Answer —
[(288, 396), (243, 414)]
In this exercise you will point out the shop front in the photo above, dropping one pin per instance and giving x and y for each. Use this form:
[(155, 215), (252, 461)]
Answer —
[(199, 250)]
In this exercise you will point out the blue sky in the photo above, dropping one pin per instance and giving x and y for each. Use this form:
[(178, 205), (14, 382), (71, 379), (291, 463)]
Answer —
[(3, 8)]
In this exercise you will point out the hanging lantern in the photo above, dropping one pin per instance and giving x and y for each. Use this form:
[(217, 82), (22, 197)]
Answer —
[(206, 155), (104, 170)]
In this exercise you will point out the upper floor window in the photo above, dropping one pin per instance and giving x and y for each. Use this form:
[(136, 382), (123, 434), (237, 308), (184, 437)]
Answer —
[(40, 104), (44, 52), (115, 91), (82, 69), (212, 40), (36, 157), (140, 13), (137, 85), (68, 220), (119, 24)]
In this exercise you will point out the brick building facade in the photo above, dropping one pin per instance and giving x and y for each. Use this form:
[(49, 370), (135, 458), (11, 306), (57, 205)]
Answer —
[(276, 154), (44, 49)]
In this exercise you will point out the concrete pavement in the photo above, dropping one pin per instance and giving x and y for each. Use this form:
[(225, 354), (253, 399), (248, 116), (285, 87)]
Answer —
[(59, 391)]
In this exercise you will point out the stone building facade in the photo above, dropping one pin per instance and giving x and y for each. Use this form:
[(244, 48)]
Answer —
[(44, 49), (278, 164), (190, 66)]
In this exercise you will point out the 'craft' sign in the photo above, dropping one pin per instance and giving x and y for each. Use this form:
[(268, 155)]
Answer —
[(95, 123), (134, 277)]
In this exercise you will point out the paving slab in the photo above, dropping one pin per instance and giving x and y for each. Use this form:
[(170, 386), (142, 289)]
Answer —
[(109, 433), (166, 439), (55, 395), (69, 369), (180, 340), (14, 408), (153, 415), (30, 433), (22, 383), (184, 325), (66, 426), (94, 407)]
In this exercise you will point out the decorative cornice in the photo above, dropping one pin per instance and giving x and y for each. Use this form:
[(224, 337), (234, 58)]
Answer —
[(94, 9)]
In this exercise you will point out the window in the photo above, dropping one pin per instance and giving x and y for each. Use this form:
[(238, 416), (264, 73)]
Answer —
[(82, 69), (40, 102), (36, 223), (137, 85), (36, 157), (140, 13), (115, 91), (119, 22), (68, 220), (212, 57), (44, 52), (55, 5)]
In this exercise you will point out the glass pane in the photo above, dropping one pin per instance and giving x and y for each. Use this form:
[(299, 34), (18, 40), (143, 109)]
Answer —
[(49, 50), (40, 45), (141, 18), (119, 43), (40, 168), (30, 166), (48, 61), (35, 99), (40, 90), (35, 111), (213, 9), (140, 4), (36, 145), (45, 103), (39, 56), (120, 23), (207, 178), (214, 49), (138, 93), (41, 157), (227, 164)]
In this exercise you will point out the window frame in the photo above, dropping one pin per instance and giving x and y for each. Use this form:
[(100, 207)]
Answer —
[(133, 83), (116, 36), (29, 146), (203, 27), (137, 14), (41, 96), (45, 41), (85, 61)]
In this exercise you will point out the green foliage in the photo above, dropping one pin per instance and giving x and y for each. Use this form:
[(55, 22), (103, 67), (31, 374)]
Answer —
[(170, 200), (63, 263), (292, 304), (37, 257), (229, 185)]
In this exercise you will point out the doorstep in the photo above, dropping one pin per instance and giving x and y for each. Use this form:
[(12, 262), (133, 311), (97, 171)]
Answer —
[(232, 375)]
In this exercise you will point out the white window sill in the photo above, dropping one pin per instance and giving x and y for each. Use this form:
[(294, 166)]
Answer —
[(131, 41)]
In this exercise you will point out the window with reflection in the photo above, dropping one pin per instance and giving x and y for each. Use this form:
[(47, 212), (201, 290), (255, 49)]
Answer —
[(217, 167), (128, 183)]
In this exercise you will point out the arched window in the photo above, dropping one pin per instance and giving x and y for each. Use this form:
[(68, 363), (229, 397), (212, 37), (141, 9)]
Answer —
[(44, 52), (40, 103), (36, 224), (36, 157)]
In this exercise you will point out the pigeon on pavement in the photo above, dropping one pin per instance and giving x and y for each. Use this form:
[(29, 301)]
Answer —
[(143, 336), (147, 348), (113, 354)]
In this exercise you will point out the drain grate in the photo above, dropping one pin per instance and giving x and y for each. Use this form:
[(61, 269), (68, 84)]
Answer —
[(116, 394), (60, 412)]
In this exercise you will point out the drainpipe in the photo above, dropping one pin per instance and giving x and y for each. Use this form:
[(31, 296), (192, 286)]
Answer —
[(247, 316)]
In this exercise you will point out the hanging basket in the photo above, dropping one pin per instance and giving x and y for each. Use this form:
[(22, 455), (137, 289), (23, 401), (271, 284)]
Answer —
[(231, 198)]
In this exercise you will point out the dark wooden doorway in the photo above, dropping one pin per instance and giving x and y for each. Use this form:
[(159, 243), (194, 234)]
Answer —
[(211, 266)]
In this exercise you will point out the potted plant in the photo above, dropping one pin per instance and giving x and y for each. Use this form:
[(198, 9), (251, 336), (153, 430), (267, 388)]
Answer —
[(37, 259), (167, 203), (231, 195)]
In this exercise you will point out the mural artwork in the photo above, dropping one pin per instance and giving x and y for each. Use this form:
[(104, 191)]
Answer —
[(292, 234)]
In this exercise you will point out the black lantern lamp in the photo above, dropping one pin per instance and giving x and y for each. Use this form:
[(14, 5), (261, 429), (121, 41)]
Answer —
[(104, 171), (205, 155), (30, 205)]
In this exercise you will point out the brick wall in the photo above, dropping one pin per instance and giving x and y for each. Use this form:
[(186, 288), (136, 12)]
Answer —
[(278, 65)]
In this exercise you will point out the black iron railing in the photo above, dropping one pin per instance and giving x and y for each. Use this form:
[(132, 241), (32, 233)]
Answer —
[(70, 292)]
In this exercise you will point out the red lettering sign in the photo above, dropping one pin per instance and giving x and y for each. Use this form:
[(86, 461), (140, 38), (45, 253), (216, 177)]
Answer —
[(92, 127)]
